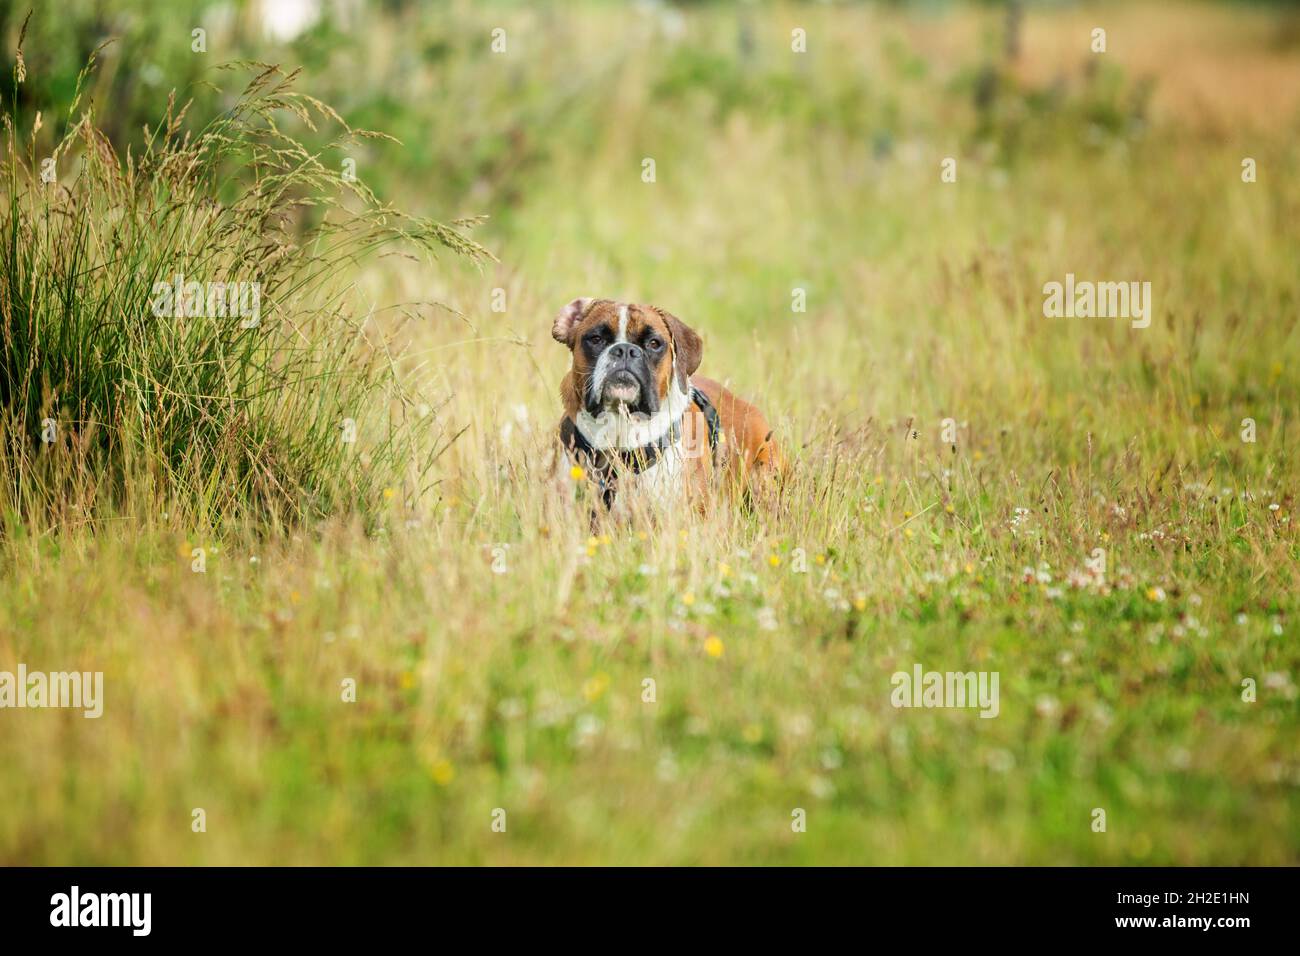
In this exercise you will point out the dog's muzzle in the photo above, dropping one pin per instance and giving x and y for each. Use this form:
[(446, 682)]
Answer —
[(623, 378)]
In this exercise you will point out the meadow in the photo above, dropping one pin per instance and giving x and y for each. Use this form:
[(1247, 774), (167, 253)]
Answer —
[(1101, 514)]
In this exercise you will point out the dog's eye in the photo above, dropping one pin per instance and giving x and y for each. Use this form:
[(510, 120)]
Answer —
[(594, 339), (654, 343)]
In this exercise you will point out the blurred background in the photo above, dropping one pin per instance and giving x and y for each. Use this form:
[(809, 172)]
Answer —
[(779, 130), (491, 128), (776, 169)]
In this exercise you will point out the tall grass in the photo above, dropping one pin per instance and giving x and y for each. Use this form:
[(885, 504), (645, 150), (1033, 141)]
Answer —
[(294, 413)]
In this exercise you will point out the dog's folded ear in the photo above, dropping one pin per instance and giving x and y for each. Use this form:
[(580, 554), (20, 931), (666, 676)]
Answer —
[(569, 317), (687, 346)]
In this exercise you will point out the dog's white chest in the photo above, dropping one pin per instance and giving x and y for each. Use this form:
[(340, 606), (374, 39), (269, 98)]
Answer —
[(659, 485)]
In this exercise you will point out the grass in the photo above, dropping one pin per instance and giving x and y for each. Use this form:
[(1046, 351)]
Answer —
[(120, 361), (524, 690)]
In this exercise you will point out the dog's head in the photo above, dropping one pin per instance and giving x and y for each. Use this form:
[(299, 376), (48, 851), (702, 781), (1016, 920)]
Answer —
[(625, 357)]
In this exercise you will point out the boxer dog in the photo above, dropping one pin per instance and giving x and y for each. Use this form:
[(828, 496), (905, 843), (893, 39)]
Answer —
[(639, 422)]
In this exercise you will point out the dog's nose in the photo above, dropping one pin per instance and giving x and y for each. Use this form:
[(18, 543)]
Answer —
[(624, 352)]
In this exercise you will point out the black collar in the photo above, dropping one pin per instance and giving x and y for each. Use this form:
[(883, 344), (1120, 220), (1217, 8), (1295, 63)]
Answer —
[(601, 461)]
